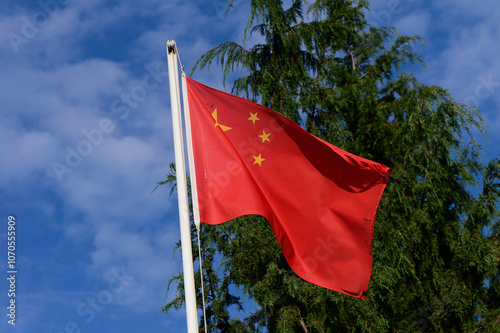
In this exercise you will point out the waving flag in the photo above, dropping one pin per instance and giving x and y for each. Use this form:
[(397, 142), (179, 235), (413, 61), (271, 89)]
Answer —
[(320, 200)]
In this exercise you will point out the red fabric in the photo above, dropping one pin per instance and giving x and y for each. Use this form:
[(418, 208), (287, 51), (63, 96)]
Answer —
[(320, 200)]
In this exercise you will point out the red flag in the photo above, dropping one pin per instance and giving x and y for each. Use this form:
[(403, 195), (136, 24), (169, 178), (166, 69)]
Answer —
[(320, 200)]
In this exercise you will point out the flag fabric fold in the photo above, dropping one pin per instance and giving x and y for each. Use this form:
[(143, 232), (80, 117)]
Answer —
[(320, 200)]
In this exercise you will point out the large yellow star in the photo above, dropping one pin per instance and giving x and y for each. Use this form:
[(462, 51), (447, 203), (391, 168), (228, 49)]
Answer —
[(265, 136), (258, 159), (253, 117), (224, 128)]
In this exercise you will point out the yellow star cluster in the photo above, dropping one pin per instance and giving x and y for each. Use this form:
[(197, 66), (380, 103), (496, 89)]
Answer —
[(264, 136)]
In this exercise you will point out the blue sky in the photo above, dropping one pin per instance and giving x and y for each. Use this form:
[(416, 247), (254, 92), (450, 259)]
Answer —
[(85, 134)]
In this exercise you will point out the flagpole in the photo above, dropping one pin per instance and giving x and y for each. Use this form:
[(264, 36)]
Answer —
[(194, 187), (182, 193), (189, 141)]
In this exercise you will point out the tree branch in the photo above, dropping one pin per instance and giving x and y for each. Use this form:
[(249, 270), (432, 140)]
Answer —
[(352, 60)]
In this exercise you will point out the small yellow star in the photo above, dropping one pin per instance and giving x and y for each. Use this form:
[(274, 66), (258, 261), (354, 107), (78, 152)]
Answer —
[(258, 160), (253, 117), (265, 136)]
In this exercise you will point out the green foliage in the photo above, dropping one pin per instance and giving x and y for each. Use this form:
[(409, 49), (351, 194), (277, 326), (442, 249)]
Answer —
[(435, 245)]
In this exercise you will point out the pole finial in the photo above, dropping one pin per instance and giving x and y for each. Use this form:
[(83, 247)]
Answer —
[(171, 46)]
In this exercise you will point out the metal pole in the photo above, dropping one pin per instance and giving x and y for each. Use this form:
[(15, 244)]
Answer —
[(194, 188), (182, 193), (189, 141)]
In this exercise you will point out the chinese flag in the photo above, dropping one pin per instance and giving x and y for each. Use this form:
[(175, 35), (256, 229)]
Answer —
[(320, 200)]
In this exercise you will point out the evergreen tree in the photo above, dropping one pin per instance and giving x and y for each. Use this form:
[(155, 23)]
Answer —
[(435, 245)]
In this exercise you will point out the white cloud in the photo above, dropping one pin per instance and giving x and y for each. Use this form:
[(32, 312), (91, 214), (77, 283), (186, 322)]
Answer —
[(465, 11), (115, 180), (25, 154), (49, 97), (86, 82), (467, 63), (416, 23), (129, 226), (63, 101), (145, 256)]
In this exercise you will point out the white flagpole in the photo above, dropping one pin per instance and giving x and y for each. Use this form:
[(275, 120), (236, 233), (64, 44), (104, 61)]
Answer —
[(182, 193), (189, 141), (194, 188)]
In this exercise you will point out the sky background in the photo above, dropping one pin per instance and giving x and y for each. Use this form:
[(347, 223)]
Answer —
[(85, 134)]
